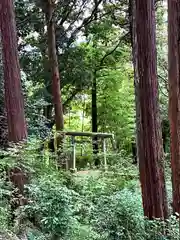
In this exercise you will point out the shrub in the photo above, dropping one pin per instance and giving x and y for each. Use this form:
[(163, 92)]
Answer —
[(53, 206), (119, 216), (83, 232), (94, 186), (95, 206), (5, 194), (4, 216)]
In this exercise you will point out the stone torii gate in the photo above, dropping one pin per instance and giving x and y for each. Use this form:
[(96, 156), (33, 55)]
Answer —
[(102, 136)]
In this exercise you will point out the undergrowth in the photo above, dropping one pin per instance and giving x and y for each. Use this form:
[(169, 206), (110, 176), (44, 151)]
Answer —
[(61, 205)]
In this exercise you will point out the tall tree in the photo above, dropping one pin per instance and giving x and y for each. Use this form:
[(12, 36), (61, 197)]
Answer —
[(94, 102), (14, 103), (174, 96), (53, 60), (150, 136), (133, 37)]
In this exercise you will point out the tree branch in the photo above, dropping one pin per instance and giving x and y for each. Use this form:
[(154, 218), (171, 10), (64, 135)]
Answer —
[(85, 22), (165, 82), (66, 12), (68, 100), (112, 51)]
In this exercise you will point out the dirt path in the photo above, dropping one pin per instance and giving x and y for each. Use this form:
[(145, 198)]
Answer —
[(89, 173)]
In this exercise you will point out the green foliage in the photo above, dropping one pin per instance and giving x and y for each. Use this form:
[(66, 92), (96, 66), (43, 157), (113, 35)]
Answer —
[(119, 216), (63, 212), (54, 205), (116, 105), (84, 232), (97, 207), (5, 195), (92, 205), (82, 50), (4, 216)]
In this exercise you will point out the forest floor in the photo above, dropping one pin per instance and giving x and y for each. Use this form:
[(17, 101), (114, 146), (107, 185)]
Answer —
[(93, 173)]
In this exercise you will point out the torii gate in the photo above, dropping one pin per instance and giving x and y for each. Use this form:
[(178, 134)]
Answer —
[(73, 135)]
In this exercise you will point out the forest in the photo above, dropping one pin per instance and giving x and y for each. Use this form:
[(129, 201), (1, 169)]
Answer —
[(89, 120)]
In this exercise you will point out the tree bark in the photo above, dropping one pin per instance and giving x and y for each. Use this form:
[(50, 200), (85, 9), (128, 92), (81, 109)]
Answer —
[(94, 105), (174, 96), (150, 135), (14, 103), (48, 109), (56, 90), (133, 37), (94, 119), (3, 115)]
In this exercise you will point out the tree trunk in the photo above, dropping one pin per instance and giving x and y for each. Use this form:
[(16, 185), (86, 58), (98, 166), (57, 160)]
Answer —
[(48, 109), (133, 37), (3, 115), (150, 135), (174, 96), (14, 103), (56, 91), (94, 106), (94, 119)]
